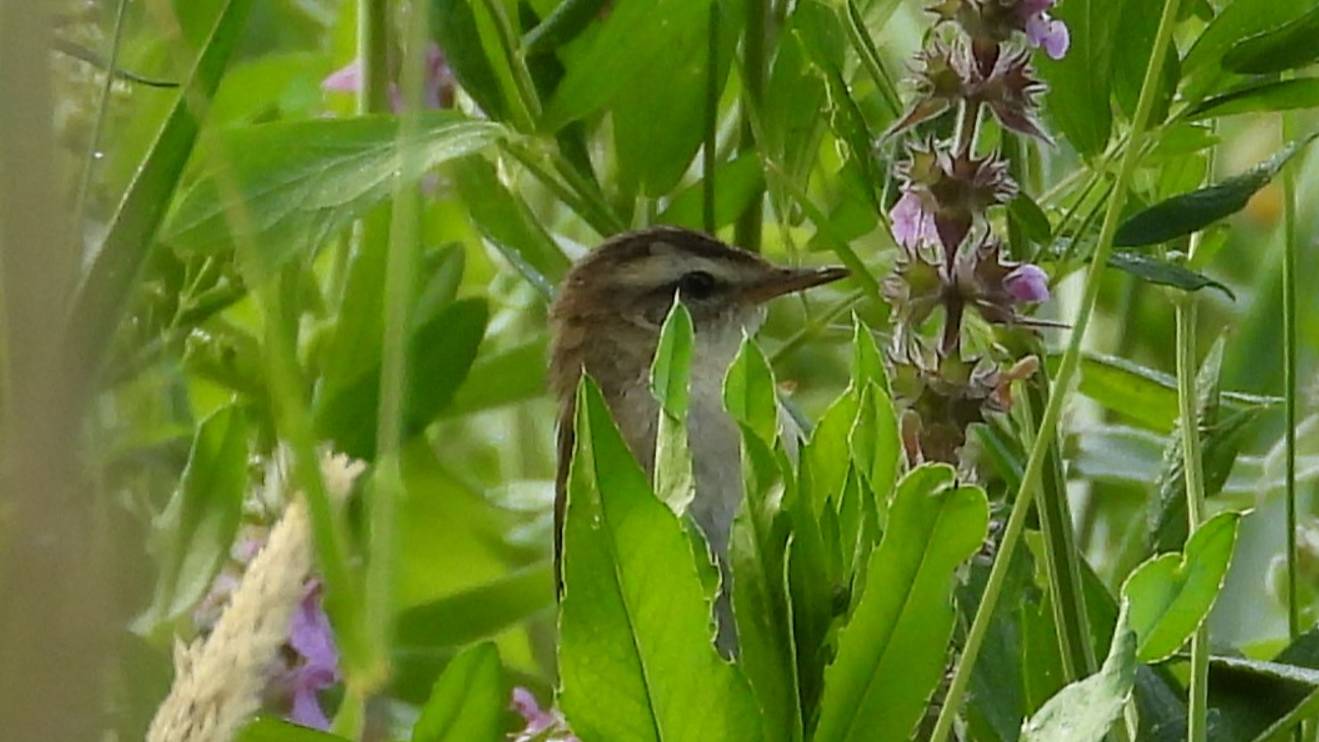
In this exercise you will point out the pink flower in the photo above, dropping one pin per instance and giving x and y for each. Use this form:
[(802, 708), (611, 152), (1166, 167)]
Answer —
[(913, 225), (1043, 30), (312, 639), (542, 724), (1027, 284), (437, 91)]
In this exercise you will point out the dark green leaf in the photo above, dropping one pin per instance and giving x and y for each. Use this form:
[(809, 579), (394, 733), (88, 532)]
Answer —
[(1085, 710), (1286, 47), (280, 190), (202, 517), (1275, 95), (1171, 594), (502, 378), (1164, 273), (469, 702), (104, 289), (1136, 29), (1191, 212), (892, 654), (1032, 219), (636, 658), (1202, 65), (455, 29), (1080, 84), (440, 353), (737, 183), (568, 19)]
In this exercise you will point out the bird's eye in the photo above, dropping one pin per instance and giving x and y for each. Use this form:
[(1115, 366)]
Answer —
[(696, 285)]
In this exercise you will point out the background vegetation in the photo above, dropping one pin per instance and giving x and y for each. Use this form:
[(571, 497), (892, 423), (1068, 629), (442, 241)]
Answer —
[(205, 284)]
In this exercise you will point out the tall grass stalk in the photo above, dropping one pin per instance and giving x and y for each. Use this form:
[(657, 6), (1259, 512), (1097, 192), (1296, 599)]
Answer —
[(1289, 379), (1062, 383), (1198, 692)]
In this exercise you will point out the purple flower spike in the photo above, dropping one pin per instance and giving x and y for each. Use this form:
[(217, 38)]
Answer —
[(913, 225), (1042, 30), (437, 88), (311, 637), (1027, 284)]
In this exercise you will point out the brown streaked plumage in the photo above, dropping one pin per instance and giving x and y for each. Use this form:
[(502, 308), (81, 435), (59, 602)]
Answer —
[(606, 320)]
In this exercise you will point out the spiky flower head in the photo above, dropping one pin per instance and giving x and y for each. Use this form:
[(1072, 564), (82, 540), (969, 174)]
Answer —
[(955, 190)]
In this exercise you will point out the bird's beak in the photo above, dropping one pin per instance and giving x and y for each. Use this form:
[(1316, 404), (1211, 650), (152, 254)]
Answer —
[(789, 280)]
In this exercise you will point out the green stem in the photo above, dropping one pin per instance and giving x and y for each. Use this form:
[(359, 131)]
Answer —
[(815, 326), (1289, 382), (870, 59), (1062, 383), (709, 151), (747, 231), (98, 127), (577, 195), (525, 99), (1198, 696), (373, 55)]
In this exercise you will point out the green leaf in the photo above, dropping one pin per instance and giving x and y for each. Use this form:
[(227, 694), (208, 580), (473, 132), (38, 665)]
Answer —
[(202, 517), (1034, 222), (1286, 47), (440, 354), (1171, 594), (507, 222), (1085, 710), (737, 184), (749, 394), (279, 190), (568, 19), (1274, 95), (1202, 65), (1137, 28), (1080, 84), (874, 443), (757, 553), (1191, 212), (469, 701), (1164, 272), (636, 656), (501, 378), (266, 729), (810, 602), (670, 378), (479, 612), (104, 290), (827, 455), (892, 654), (454, 27)]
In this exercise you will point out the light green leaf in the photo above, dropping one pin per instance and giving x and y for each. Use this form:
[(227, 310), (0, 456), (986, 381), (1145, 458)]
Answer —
[(757, 552), (1171, 594), (670, 380), (827, 455), (469, 701), (749, 394), (874, 443), (440, 354), (636, 653), (279, 190), (892, 655), (202, 517), (1085, 710)]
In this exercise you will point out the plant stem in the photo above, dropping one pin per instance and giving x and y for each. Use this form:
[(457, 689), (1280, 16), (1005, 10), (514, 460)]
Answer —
[(870, 59), (747, 231), (526, 101), (1062, 383), (709, 153), (98, 128), (373, 55), (1198, 696), (1289, 381)]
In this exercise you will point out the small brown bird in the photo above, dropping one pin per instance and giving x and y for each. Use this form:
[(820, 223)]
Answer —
[(606, 320)]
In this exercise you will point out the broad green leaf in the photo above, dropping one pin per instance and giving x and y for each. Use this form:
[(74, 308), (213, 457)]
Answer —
[(478, 612), (1286, 47), (507, 222), (455, 29), (749, 394), (202, 517), (636, 656), (659, 114), (1164, 272), (670, 380), (1275, 95), (1191, 212), (737, 184), (104, 289), (1202, 65), (757, 552), (892, 654), (279, 190), (267, 729), (1080, 84), (874, 443), (1170, 595), (469, 702), (1085, 710), (440, 354), (501, 378)]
